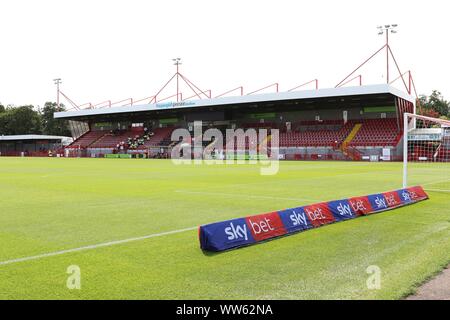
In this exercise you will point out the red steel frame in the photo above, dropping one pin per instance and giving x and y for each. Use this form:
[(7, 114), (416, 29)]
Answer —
[(207, 92), (316, 81), (360, 66), (200, 94), (276, 85), (389, 53), (354, 78), (241, 90), (179, 96)]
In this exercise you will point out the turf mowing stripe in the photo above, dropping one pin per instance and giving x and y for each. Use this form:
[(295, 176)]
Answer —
[(243, 195), (94, 246), (437, 190), (435, 182)]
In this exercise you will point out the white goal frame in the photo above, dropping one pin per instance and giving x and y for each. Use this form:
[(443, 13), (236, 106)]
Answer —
[(408, 126)]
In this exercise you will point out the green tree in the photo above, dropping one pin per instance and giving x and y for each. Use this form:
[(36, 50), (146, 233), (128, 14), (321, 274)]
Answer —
[(50, 125), (435, 103), (2, 120), (20, 120)]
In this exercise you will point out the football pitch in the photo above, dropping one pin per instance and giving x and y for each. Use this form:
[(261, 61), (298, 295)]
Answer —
[(131, 228)]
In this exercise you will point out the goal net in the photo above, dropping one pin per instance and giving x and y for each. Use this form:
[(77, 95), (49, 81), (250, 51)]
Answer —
[(426, 157)]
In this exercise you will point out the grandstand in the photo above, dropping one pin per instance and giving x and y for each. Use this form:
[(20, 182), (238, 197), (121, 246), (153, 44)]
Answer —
[(33, 145), (344, 123)]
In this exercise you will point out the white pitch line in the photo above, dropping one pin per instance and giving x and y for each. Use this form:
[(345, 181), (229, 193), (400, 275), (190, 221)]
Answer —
[(437, 190), (435, 182), (94, 246), (242, 195)]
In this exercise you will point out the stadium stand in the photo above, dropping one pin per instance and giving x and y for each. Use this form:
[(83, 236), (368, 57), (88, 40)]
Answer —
[(87, 139), (334, 134), (160, 137), (355, 123), (377, 132), (112, 139), (312, 134)]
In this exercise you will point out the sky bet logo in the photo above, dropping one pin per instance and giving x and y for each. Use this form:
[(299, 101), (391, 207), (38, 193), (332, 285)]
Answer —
[(344, 209), (392, 199), (295, 219), (380, 203), (298, 219), (406, 196), (341, 210), (255, 228), (319, 214), (413, 195), (262, 226), (361, 205), (245, 231), (237, 232), (266, 226)]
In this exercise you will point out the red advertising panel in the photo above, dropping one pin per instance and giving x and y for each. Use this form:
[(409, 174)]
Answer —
[(361, 205), (417, 193), (241, 232), (319, 214), (266, 226), (392, 199)]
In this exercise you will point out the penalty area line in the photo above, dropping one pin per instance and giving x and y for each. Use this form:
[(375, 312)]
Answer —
[(94, 246)]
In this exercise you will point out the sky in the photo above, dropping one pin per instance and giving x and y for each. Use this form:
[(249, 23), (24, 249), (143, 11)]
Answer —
[(114, 50)]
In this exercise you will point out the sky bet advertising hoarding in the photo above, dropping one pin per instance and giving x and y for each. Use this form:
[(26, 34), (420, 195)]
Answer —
[(246, 231)]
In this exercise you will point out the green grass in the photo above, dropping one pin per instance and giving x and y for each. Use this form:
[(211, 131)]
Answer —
[(48, 205)]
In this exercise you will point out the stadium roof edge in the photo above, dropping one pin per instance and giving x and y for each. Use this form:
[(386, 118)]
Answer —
[(294, 95), (32, 137)]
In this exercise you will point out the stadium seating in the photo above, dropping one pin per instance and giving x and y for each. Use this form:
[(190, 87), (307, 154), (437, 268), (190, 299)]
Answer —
[(87, 139), (314, 134), (332, 134), (377, 132), (111, 140), (373, 132), (102, 139), (161, 137)]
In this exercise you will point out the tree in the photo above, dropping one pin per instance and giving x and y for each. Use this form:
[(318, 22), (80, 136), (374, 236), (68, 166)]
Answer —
[(50, 125), (2, 108), (429, 113), (20, 120), (435, 103)]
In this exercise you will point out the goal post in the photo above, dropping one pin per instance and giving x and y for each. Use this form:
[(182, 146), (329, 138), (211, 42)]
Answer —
[(426, 152)]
